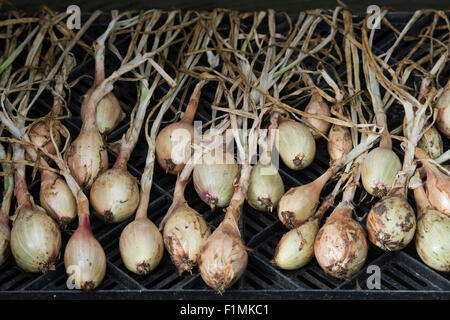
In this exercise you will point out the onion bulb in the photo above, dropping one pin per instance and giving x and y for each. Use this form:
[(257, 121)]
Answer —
[(57, 199), (5, 237), (339, 142), (109, 113), (379, 170), (185, 232), (299, 203), (433, 240), (443, 118), (84, 258), (141, 246), (430, 142), (437, 185), (266, 187), (8, 191), (173, 143), (115, 195), (35, 239), (296, 247), (433, 234), (87, 157), (391, 223), (297, 146), (318, 107), (39, 135), (214, 180), (341, 246), (224, 258)]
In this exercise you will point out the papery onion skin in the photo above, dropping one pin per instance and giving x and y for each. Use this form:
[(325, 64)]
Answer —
[(87, 158), (443, 121), (297, 146), (444, 99), (185, 232), (108, 114), (339, 142), (224, 257), (57, 199), (379, 170), (391, 223), (300, 203), (433, 240), (341, 246), (318, 107), (173, 146), (266, 187), (39, 135), (5, 239), (141, 246), (296, 247), (214, 182), (84, 258), (431, 143), (115, 195), (296, 206), (35, 240), (438, 189)]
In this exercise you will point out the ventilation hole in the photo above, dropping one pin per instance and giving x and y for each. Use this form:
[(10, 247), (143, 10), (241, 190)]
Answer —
[(171, 283), (110, 286), (11, 276), (399, 280), (158, 279), (410, 275), (319, 278), (388, 285), (19, 283), (260, 275), (265, 253), (253, 283), (307, 282)]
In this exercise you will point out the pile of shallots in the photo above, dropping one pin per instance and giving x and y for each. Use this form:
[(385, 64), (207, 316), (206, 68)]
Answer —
[(220, 107)]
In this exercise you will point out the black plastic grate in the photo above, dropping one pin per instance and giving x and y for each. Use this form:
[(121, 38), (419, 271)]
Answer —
[(403, 273)]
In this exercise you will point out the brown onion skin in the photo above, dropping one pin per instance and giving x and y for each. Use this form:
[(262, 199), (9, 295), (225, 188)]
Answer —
[(224, 257), (109, 113), (298, 204), (114, 195), (339, 143), (39, 135), (58, 201), (318, 107), (87, 157), (185, 233), (5, 238), (438, 189), (387, 233), (165, 146), (341, 246), (431, 143)]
